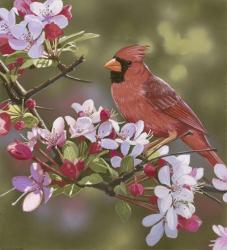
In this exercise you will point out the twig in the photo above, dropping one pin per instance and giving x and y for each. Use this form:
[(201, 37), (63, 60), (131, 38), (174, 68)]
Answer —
[(47, 83), (77, 79)]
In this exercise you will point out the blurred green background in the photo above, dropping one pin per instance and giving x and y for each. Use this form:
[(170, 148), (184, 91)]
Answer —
[(188, 49)]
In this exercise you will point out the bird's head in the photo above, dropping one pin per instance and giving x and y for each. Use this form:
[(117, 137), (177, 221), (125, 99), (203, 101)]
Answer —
[(125, 59)]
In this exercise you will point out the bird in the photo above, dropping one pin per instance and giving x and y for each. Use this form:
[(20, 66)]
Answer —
[(141, 95)]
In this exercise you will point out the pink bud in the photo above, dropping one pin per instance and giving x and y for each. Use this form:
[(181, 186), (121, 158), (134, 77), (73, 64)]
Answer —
[(19, 61), (5, 49), (52, 31), (105, 115), (30, 104), (136, 189), (161, 163), (191, 225), (23, 7), (19, 151), (4, 106), (80, 165), (95, 148), (5, 123), (150, 170), (67, 12), (69, 170), (19, 125)]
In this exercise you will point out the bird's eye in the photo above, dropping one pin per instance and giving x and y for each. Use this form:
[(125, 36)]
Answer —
[(129, 63)]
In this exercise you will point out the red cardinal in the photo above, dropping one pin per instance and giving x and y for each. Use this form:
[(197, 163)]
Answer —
[(141, 95)]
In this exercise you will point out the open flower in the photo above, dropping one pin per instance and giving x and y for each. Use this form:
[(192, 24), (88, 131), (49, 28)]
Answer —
[(125, 148), (29, 37), (48, 12), (57, 136), (35, 188), (5, 123), (160, 223), (83, 126), (7, 20), (221, 242), (133, 133), (220, 183)]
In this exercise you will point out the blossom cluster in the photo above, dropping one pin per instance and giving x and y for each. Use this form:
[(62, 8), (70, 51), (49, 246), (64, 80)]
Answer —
[(39, 22)]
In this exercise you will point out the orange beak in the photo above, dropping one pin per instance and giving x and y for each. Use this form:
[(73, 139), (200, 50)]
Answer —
[(113, 65)]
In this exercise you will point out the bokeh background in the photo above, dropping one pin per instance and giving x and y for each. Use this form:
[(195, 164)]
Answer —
[(188, 49)]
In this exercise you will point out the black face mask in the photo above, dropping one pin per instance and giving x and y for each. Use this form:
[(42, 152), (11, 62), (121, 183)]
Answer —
[(118, 77)]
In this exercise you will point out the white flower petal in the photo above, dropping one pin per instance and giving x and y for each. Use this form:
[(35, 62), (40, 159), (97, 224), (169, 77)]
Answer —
[(125, 146), (225, 197), (163, 150), (58, 125), (77, 107), (37, 8), (150, 220), (116, 161), (155, 234), (161, 191), (55, 6), (60, 20), (70, 121), (221, 171), (109, 144), (171, 218), (83, 123), (137, 150), (170, 233), (165, 203), (17, 44), (35, 28), (219, 184), (32, 201), (184, 159), (128, 130), (4, 13), (139, 128), (164, 175), (137, 162), (105, 129), (88, 106)]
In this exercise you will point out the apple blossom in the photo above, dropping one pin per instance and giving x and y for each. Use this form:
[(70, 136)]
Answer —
[(35, 188), (48, 12), (33, 136), (221, 242), (23, 7), (136, 189), (7, 21), (220, 183), (57, 136), (125, 147), (67, 12), (28, 36)]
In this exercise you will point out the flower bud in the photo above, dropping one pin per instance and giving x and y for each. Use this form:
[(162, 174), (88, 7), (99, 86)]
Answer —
[(191, 225), (67, 11), (52, 31), (136, 189), (80, 165), (5, 123), (150, 170), (4, 106), (153, 199), (105, 115), (19, 125), (95, 148), (19, 151), (72, 170), (30, 104)]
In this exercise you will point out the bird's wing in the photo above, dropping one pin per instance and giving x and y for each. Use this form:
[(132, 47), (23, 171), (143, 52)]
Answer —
[(163, 97)]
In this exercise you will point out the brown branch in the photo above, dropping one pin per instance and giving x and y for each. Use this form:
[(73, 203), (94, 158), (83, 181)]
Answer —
[(47, 83)]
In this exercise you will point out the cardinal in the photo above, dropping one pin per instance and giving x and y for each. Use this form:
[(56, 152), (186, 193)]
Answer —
[(141, 95)]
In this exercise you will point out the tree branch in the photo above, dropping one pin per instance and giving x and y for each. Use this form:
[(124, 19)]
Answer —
[(47, 83)]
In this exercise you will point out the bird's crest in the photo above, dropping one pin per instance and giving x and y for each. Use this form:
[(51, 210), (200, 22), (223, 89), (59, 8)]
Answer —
[(133, 52)]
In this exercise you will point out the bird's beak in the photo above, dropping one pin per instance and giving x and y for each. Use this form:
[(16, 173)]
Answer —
[(113, 65)]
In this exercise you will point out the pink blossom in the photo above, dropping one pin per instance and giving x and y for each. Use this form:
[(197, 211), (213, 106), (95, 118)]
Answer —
[(19, 151), (52, 31), (5, 123), (67, 12), (221, 242)]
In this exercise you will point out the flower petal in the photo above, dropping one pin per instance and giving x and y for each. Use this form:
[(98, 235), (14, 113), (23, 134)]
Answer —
[(128, 130), (109, 144), (161, 191), (150, 220), (37, 8), (219, 184), (116, 161), (105, 129), (32, 201), (37, 172), (77, 107), (221, 171), (170, 233), (164, 175), (139, 128), (125, 146), (47, 193), (155, 234), (165, 203), (58, 125), (137, 150), (225, 197), (17, 44), (60, 20), (36, 51), (22, 183), (88, 106), (171, 218), (55, 6)]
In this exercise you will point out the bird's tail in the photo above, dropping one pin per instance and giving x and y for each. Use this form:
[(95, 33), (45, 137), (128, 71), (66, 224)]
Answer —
[(198, 141)]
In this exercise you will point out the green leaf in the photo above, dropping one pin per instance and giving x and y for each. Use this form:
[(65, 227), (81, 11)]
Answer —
[(121, 189), (70, 151), (70, 38), (4, 77), (127, 164), (42, 63), (13, 78), (15, 111), (98, 165), (30, 120), (27, 64), (13, 57), (123, 210), (83, 149), (71, 190), (152, 155), (85, 36), (91, 179)]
